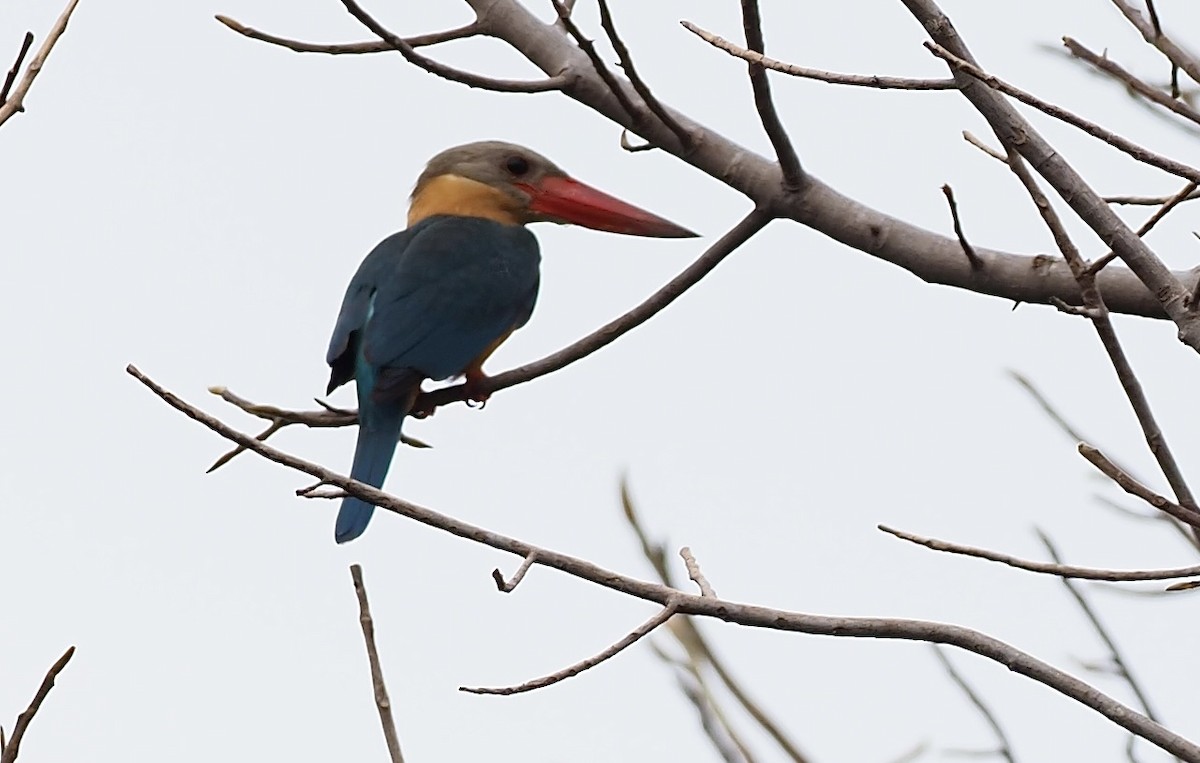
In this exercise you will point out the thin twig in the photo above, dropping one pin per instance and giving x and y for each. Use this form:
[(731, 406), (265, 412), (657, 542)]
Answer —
[(1005, 748), (382, 703), (972, 255), (642, 630), (1147, 201), (833, 78), (16, 67), (1169, 204), (1017, 661), (13, 745), (785, 152), (1059, 570), (1135, 151), (14, 103), (1133, 487), (448, 72), (507, 586), (626, 59), (589, 48), (693, 568), (350, 48), (1118, 660), (985, 148), (1149, 92)]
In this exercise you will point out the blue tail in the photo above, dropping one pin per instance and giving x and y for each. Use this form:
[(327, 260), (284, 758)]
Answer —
[(377, 438)]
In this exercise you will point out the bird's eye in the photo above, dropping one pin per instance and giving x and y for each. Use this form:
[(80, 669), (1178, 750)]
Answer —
[(516, 165)]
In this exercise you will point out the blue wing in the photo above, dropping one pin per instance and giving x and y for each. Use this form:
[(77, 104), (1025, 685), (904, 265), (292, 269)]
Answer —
[(433, 298)]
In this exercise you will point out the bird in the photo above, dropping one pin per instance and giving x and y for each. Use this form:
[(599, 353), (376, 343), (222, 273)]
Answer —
[(434, 300)]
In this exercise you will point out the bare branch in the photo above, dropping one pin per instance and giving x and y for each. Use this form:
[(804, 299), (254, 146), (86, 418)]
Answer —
[(1146, 201), (1126, 146), (610, 332), (1060, 570), (986, 646), (1152, 33), (382, 703), (13, 745), (1005, 748), (643, 90), (350, 48), (448, 72), (931, 257), (789, 162), (833, 78), (972, 256), (15, 101), (1135, 84), (666, 613), (1133, 487)]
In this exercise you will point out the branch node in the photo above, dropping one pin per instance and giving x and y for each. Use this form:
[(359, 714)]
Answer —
[(693, 568), (507, 586)]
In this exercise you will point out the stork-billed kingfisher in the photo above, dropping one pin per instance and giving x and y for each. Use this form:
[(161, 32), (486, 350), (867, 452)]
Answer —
[(435, 300)]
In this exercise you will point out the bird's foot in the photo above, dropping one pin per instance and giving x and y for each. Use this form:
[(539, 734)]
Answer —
[(478, 388)]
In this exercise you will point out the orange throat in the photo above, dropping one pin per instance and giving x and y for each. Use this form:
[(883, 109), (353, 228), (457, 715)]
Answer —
[(462, 197)]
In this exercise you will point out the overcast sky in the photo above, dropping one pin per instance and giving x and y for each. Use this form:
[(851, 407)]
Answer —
[(194, 202)]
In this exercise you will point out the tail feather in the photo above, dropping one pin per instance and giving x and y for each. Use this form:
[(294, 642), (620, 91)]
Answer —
[(372, 457)]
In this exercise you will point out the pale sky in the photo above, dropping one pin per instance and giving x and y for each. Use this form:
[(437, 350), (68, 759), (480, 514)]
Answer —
[(194, 202)]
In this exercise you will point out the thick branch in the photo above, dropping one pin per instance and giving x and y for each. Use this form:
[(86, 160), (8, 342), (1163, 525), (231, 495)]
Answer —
[(743, 614), (929, 256), (1013, 130)]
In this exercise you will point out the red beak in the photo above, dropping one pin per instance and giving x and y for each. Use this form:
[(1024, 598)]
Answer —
[(567, 200)]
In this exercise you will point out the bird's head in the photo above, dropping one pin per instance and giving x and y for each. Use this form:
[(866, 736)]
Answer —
[(513, 185)]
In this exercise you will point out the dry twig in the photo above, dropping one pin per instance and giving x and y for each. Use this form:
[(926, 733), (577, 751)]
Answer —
[(834, 78), (1060, 570), (382, 702), (449, 72), (349, 48), (785, 152), (643, 90), (12, 746), (15, 100), (642, 630)]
